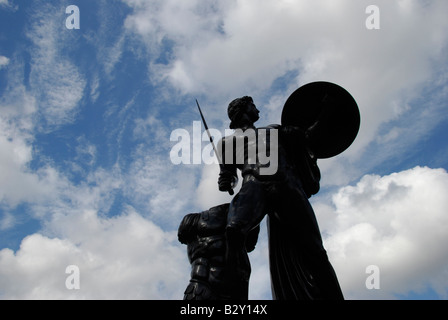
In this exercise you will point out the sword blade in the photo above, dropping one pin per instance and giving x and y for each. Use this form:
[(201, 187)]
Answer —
[(231, 192), (208, 132)]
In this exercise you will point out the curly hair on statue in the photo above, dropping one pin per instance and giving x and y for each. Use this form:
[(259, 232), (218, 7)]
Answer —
[(236, 108)]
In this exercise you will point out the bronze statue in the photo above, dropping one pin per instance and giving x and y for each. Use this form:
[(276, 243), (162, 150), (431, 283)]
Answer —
[(319, 120), (204, 235)]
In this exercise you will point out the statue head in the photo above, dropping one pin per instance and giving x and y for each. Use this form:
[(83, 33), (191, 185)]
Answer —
[(242, 112)]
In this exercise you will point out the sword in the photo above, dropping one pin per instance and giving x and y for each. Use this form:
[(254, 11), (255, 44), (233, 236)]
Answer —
[(231, 192)]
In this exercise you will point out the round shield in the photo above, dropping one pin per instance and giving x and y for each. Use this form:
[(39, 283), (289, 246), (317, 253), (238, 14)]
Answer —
[(329, 111)]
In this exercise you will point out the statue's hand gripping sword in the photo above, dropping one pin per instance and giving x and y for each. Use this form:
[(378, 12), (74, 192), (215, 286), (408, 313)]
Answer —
[(231, 192)]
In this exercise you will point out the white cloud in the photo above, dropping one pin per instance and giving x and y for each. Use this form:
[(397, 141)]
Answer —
[(8, 5), (7, 221), (126, 257), (153, 130), (17, 105), (221, 49), (259, 284), (55, 81), (94, 88), (240, 47), (396, 222), (163, 190), (86, 152), (4, 61), (19, 183), (207, 194)]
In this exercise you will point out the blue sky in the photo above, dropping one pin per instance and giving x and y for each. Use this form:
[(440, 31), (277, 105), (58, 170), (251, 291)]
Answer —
[(86, 116)]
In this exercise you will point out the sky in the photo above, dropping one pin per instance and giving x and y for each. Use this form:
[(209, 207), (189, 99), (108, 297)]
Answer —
[(87, 113)]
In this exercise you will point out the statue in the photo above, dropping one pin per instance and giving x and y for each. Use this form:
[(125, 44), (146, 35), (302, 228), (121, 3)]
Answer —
[(319, 120), (204, 235)]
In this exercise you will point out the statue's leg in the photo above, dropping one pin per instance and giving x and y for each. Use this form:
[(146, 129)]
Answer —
[(245, 213), (298, 218)]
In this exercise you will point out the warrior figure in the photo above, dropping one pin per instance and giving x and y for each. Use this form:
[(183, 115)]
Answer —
[(300, 268), (203, 233), (319, 120)]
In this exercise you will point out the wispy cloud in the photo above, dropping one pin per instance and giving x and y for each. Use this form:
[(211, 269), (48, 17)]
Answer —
[(162, 190), (55, 81), (9, 5), (4, 61)]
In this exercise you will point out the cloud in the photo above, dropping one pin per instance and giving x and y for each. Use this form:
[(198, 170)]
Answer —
[(126, 257), (396, 222), (55, 81), (7, 221), (15, 154), (227, 50), (259, 284), (117, 224), (4, 61), (207, 194), (8, 5), (18, 107), (161, 190), (120, 253), (242, 42), (108, 38), (112, 253)]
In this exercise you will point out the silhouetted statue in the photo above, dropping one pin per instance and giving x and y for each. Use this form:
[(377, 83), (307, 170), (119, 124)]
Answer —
[(278, 165), (204, 235)]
